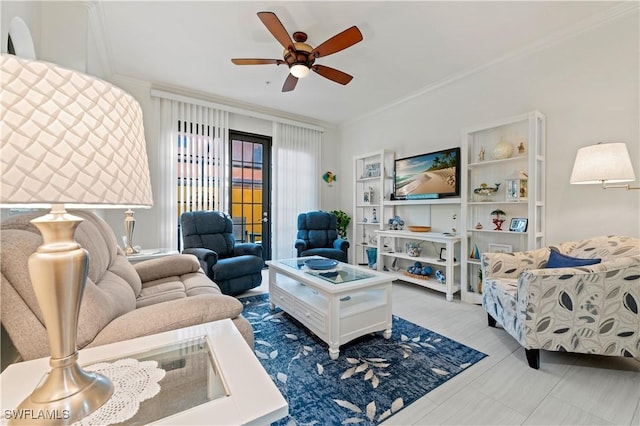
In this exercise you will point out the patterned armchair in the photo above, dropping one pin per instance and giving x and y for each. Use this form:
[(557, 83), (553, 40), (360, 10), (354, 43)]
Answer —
[(590, 309)]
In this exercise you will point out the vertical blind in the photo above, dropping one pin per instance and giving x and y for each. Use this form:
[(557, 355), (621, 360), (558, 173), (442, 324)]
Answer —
[(296, 178), (195, 143)]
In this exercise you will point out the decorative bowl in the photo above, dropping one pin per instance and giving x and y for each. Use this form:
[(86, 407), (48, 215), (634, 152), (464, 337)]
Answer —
[(321, 264)]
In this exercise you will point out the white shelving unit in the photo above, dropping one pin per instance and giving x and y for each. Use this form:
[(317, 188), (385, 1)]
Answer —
[(394, 259), (486, 159), (373, 183)]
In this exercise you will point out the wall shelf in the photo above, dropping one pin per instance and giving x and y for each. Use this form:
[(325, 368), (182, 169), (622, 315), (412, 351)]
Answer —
[(527, 131), (379, 165), (391, 249)]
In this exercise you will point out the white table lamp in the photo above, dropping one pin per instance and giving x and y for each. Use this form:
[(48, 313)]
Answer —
[(67, 139), (605, 164)]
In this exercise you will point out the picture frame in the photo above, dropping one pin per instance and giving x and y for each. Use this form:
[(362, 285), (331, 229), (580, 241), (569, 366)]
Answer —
[(499, 248), (518, 224), (372, 170), (443, 254), (367, 196)]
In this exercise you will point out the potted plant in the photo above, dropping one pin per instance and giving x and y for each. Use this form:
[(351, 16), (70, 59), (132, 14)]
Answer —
[(343, 221)]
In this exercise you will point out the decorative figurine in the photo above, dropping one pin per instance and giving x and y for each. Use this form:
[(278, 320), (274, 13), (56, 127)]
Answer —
[(485, 193), (396, 223), (521, 148), (329, 177), (498, 218), (440, 277), (475, 253), (478, 225), (375, 216), (481, 154)]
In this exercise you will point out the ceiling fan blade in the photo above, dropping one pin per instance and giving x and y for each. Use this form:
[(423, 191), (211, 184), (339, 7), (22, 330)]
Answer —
[(275, 27), (290, 83), (332, 74), (255, 61), (338, 42)]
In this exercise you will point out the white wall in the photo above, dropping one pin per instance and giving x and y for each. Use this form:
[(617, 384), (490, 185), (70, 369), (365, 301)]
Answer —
[(588, 88)]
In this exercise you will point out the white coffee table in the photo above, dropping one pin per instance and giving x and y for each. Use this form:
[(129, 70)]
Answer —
[(337, 305), (237, 388)]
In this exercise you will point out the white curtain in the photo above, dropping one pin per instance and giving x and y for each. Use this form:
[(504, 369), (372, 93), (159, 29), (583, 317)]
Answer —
[(193, 172), (296, 183)]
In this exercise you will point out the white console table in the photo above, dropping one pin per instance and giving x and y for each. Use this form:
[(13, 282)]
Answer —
[(391, 246)]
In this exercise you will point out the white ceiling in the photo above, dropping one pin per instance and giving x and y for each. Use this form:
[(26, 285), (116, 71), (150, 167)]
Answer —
[(407, 47)]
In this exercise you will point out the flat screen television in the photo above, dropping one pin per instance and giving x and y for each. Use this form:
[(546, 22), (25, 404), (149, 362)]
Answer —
[(431, 175)]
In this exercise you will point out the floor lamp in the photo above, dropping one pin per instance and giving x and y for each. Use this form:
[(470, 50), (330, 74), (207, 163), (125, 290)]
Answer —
[(67, 140)]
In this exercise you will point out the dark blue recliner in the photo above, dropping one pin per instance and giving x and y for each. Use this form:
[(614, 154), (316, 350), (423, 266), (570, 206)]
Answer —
[(208, 235), (317, 235)]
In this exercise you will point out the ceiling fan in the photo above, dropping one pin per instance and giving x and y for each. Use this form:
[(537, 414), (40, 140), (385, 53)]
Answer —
[(299, 56)]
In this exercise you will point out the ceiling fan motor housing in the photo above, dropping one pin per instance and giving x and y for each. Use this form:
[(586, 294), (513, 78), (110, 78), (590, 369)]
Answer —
[(300, 55)]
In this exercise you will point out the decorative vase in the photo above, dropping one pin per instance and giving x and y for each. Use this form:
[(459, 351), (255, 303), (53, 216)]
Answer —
[(502, 150), (372, 257), (413, 249)]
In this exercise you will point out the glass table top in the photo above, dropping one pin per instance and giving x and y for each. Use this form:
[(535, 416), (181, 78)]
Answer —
[(192, 378), (343, 273)]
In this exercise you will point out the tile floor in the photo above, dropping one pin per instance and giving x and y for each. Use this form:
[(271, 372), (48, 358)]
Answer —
[(568, 389)]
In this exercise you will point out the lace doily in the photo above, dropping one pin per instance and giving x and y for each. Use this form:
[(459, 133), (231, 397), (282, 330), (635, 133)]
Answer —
[(133, 382)]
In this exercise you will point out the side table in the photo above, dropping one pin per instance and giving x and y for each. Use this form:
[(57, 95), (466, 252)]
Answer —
[(147, 254), (244, 392)]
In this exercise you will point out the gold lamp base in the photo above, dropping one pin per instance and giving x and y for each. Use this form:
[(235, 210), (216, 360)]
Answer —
[(58, 271)]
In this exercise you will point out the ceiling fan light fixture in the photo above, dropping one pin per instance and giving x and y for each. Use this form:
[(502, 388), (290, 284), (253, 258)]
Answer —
[(299, 70)]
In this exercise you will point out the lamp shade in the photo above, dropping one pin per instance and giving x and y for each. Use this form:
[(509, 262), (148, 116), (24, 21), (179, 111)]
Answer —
[(69, 138), (299, 70), (602, 163)]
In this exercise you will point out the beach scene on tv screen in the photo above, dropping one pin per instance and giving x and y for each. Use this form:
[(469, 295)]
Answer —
[(426, 174)]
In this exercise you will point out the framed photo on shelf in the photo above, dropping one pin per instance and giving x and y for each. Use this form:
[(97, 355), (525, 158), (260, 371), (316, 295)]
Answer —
[(499, 248), (367, 196), (518, 224), (443, 254), (372, 170)]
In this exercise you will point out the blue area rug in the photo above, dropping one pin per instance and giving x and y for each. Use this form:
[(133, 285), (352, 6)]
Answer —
[(371, 380)]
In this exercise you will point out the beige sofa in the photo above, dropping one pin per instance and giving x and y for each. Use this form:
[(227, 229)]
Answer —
[(121, 301)]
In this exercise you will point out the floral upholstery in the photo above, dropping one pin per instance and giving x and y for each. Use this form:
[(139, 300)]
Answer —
[(588, 309)]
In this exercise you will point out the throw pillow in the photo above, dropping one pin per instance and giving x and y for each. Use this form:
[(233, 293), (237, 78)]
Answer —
[(559, 260)]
